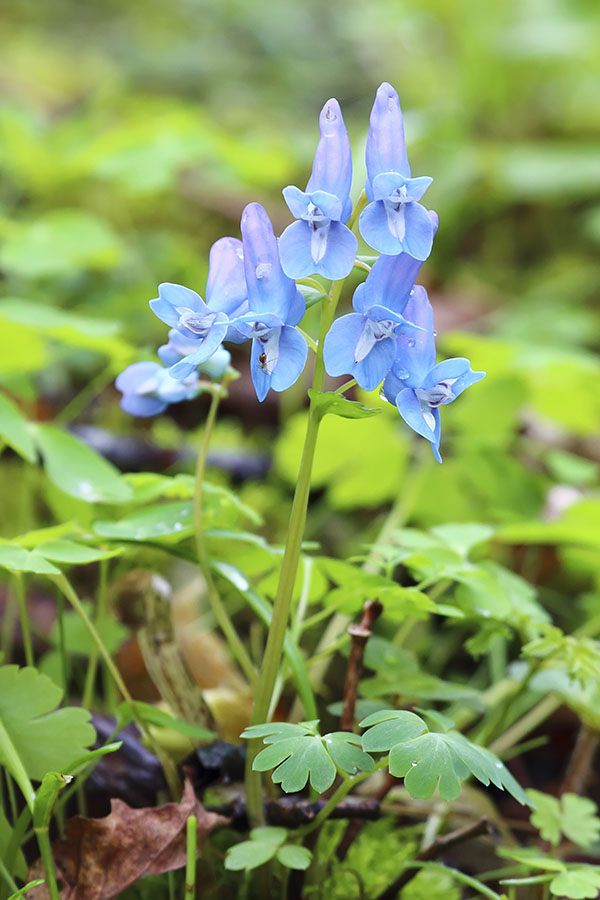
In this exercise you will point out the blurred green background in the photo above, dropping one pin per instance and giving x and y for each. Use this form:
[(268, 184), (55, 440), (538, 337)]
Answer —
[(133, 134)]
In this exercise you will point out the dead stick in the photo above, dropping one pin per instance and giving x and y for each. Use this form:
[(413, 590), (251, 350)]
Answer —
[(439, 846), (581, 760), (359, 635)]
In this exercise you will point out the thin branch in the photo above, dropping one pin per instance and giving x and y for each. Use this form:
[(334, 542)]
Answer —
[(359, 635), (439, 846)]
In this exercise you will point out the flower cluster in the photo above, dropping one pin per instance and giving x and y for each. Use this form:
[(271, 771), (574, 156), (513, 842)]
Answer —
[(251, 292)]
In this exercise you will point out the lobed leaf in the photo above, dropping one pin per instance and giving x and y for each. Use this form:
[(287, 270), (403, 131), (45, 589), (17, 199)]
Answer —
[(13, 429)]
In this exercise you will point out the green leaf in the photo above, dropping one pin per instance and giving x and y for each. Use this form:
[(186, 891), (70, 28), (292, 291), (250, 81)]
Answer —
[(26, 887), (17, 559), (262, 846), (293, 857), (424, 758), (249, 855), (577, 883), (355, 587), (579, 820), (174, 521), (346, 751), (76, 765), (580, 656), (45, 798), (13, 429), (338, 405), (77, 469), (70, 328), (389, 727), (59, 242), (295, 760), (448, 759), (462, 537), (22, 349), (45, 739), (546, 816), (152, 715), (297, 752), (9, 844), (72, 553), (311, 295), (572, 815), (532, 858)]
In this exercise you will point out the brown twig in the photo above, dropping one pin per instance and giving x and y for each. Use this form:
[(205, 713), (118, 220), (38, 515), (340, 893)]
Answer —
[(291, 812), (359, 635), (439, 846), (581, 760)]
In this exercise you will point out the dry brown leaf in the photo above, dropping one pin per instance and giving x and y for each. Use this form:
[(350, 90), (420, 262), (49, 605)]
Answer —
[(99, 858)]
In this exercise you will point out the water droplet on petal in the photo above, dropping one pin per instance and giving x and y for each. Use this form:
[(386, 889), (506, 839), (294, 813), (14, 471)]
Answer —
[(411, 342)]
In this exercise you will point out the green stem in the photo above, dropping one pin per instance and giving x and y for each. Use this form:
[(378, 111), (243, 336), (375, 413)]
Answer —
[(220, 613), (458, 876), (81, 400), (338, 795), (167, 764), (13, 763), (25, 630), (8, 878), (289, 567), (90, 675), (190, 859), (345, 387), (358, 208)]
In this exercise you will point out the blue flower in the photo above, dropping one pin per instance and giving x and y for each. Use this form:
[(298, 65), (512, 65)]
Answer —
[(363, 343), (180, 347), (319, 244), (416, 384), (148, 389), (394, 221), (275, 305), (205, 325)]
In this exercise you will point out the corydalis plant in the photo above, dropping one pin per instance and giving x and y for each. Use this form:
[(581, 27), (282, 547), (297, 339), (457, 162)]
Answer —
[(251, 294)]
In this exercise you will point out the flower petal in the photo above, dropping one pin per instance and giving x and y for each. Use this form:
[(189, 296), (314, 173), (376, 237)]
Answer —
[(296, 200), (338, 259), (269, 289), (415, 352), (205, 350), (226, 284), (332, 165), (412, 411), (386, 147), (294, 250), (329, 204), (130, 379), (465, 381), (392, 386), (448, 368), (371, 370), (293, 351), (137, 405), (418, 237), (339, 344), (374, 226), (261, 377)]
